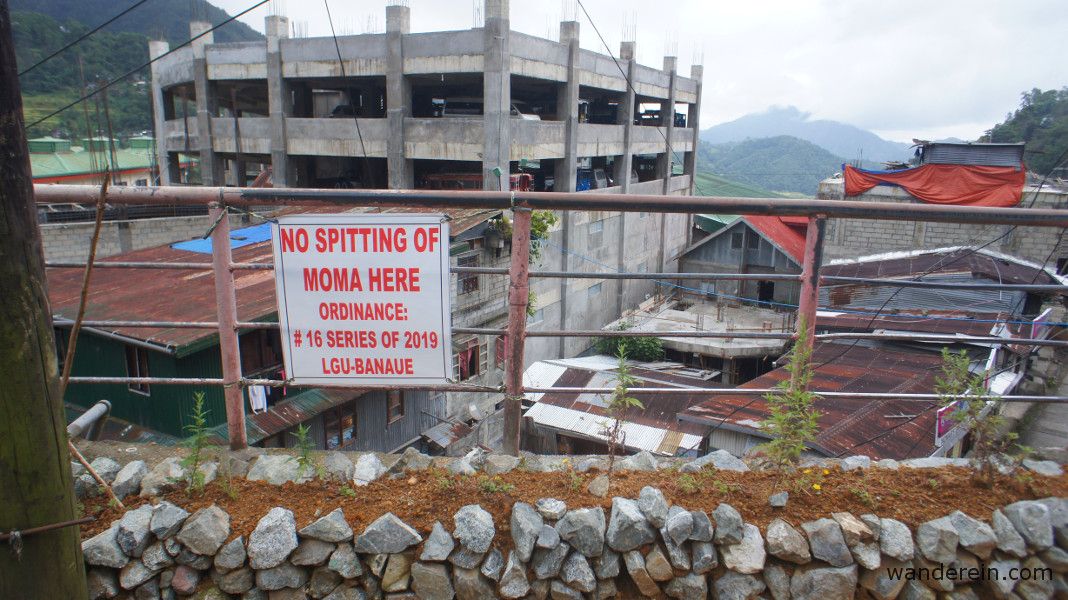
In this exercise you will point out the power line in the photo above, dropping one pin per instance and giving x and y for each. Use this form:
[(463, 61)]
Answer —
[(80, 38), (630, 86), (355, 118), (135, 70)]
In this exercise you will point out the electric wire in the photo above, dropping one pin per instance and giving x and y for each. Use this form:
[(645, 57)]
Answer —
[(143, 66), (630, 86), (80, 38), (355, 118)]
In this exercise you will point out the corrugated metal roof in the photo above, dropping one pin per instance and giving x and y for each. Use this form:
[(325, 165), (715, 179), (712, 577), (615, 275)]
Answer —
[(784, 236), (637, 436), (186, 295), (849, 425), (295, 409), (993, 155), (444, 434), (584, 414)]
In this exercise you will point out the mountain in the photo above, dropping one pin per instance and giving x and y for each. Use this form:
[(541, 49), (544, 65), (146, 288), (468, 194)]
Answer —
[(837, 138), (1042, 122), (48, 25), (167, 18), (781, 163)]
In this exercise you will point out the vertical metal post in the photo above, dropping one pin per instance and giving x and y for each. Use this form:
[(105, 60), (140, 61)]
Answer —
[(810, 278), (226, 302), (518, 295)]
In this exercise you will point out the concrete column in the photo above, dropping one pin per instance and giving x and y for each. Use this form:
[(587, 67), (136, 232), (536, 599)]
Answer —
[(278, 100), (667, 121), (624, 164), (693, 121), (567, 110), (157, 48), (626, 118), (566, 169), (211, 171), (497, 95), (398, 98)]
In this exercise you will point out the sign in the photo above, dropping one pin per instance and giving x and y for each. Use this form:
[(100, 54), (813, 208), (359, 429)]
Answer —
[(363, 299)]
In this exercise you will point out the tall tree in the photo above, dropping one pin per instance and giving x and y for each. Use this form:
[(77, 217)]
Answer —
[(35, 477), (1042, 122)]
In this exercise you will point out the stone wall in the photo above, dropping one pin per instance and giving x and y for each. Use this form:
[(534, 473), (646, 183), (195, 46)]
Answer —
[(640, 547)]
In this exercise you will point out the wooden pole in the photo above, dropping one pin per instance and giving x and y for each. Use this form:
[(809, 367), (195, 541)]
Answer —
[(35, 477)]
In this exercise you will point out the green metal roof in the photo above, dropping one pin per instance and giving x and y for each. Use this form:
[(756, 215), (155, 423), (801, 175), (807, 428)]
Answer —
[(65, 164), (713, 223)]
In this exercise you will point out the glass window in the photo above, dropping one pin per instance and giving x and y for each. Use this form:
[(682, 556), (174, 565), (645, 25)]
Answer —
[(339, 426), (394, 406), (736, 241), (137, 366), (754, 241), (467, 282)]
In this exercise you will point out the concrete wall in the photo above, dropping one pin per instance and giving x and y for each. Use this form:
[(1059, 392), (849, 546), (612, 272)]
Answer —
[(847, 238), (70, 241)]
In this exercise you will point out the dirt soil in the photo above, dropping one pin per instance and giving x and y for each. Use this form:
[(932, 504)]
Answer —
[(422, 497)]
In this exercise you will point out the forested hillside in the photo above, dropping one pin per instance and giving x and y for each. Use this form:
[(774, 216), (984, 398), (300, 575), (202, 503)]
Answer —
[(781, 163), (1042, 122), (47, 25), (157, 19)]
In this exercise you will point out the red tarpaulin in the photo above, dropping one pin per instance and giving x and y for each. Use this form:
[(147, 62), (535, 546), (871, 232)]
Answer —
[(968, 185)]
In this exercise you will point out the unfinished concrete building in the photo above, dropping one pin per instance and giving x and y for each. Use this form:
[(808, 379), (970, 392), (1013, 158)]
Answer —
[(446, 110)]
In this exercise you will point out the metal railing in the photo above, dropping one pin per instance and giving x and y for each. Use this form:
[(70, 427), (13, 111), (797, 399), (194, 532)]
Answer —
[(522, 204)]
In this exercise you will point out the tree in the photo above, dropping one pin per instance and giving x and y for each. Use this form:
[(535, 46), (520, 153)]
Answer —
[(977, 411), (36, 488), (638, 348), (1042, 122), (793, 421), (620, 402)]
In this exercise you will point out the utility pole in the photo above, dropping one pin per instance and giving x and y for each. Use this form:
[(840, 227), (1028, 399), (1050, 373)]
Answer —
[(35, 477)]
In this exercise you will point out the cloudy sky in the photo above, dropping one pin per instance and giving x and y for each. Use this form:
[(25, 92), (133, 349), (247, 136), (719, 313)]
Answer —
[(911, 68)]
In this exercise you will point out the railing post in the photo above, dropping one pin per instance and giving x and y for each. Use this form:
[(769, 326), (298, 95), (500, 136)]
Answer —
[(226, 302), (518, 296), (810, 278)]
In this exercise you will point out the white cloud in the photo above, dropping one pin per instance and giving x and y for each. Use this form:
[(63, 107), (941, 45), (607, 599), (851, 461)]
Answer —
[(911, 66)]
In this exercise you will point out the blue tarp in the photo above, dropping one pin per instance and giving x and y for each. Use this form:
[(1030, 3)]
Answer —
[(238, 239)]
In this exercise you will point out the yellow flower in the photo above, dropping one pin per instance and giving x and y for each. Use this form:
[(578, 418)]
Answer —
[(807, 471), (826, 472), (816, 486)]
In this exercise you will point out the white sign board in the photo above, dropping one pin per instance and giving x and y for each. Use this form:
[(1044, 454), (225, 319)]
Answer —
[(363, 299)]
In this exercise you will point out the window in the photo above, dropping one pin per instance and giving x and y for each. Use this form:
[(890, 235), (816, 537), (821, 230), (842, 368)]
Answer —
[(61, 348), (470, 362), (594, 290), (736, 241), (1062, 266), (500, 351), (394, 406), (260, 351), (467, 282), (753, 242), (339, 426), (141, 182), (596, 234), (137, 366)]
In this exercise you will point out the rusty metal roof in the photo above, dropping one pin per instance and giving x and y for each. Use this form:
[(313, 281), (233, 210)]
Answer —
[(878, 428), (187, 294), (445, 434), (295, 409)]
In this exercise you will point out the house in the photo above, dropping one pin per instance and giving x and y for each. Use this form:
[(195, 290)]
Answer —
[(338, 418), (749, 244), (897, 428), (576, 423)]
